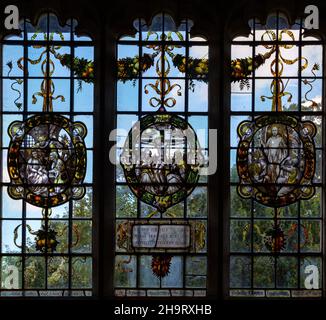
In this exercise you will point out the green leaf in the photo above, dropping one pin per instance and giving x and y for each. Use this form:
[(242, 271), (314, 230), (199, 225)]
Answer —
[(180, 36)]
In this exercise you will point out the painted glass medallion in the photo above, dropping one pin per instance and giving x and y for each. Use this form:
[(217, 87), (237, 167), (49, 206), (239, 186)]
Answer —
[(276, 160), (161, 160), (47, 160)]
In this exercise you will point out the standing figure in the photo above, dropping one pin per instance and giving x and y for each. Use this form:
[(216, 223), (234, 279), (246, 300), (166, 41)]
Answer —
[(276, 152)]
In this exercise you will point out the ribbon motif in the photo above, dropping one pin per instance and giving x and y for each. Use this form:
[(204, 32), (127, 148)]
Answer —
[(162, 86), (47, 87), (277, 86)]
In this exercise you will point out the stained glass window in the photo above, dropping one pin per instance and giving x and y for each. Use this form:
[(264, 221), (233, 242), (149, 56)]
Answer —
[(47, 83), (276, 162), (161, 198)]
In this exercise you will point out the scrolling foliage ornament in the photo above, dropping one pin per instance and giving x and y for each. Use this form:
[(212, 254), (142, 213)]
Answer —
[(276, 160)]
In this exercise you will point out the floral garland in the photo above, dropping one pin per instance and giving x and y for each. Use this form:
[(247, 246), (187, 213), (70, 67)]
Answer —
[(196, 68), (81, 67), (128, 68), (242, 68)]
